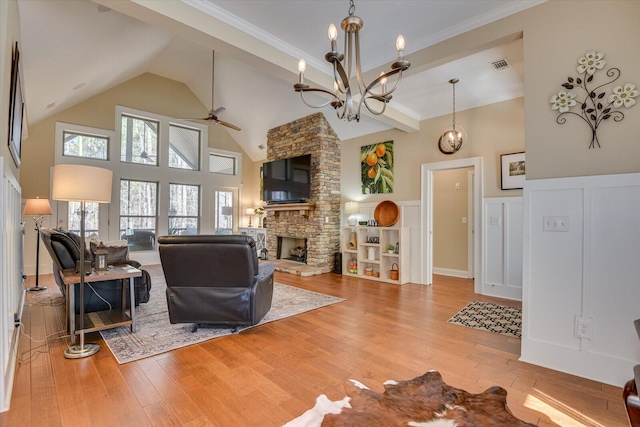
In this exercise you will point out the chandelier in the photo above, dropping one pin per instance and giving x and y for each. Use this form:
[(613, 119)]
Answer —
[(454, 136), (344, 65)]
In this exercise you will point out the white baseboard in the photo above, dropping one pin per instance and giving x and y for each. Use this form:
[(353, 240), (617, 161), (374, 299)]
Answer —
[(451, 272)]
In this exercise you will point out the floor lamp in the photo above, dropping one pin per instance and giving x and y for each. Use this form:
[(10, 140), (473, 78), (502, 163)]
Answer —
[(83, 184), (37, 208)]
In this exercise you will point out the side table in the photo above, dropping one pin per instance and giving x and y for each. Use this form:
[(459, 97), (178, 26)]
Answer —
[(106, 319)]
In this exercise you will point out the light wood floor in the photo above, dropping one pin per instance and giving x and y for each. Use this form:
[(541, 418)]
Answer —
[(268, 375)]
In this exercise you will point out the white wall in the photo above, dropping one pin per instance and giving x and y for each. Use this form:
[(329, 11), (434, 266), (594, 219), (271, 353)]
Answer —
[(502, 263), (589, 271)]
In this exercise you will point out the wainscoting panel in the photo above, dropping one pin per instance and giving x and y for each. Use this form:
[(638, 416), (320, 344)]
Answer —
[(11, 283), (503, 247), (581, 246)]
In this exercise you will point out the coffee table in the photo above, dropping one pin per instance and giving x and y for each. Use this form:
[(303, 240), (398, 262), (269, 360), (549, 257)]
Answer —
[(106, 319)]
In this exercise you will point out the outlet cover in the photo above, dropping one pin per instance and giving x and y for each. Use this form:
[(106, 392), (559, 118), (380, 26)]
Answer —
[(584, 327)]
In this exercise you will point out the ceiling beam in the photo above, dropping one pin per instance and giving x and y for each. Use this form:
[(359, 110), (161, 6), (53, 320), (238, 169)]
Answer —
[(194, 21)]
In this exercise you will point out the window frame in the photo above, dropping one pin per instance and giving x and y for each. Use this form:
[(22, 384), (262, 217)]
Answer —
[(95, 135), (197, 217), (155, 217), (158, 138), (200, 162)]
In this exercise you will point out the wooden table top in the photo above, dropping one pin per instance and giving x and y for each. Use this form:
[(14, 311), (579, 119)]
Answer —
[(115, 273)]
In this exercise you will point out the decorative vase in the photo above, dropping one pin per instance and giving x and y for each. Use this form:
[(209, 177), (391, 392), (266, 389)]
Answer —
[(371, 254)]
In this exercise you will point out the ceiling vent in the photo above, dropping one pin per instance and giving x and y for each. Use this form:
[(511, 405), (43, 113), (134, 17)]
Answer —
[(500, 64)]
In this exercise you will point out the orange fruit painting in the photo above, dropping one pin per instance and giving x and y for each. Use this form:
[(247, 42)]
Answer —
[(376, 168)]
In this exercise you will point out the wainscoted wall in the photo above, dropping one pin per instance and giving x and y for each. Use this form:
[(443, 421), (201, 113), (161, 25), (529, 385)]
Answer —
[(590, 271), (310, 135), (12, 291), (502, 264)]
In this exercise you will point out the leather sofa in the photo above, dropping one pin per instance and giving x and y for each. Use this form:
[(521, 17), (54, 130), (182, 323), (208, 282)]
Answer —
[(64, 249), (215, 280)]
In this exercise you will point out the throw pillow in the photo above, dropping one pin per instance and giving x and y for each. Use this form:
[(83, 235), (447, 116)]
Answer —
[(117, 252)]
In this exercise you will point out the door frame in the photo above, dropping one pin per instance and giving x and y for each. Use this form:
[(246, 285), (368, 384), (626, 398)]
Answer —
[(426, 216)]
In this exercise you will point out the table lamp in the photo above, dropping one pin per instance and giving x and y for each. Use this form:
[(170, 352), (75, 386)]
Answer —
[(249, 211), (84, 184), (37, 208), (352, 208)]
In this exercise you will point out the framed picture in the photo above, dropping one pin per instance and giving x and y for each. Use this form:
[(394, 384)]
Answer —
[(376, 168), (16, 108), (513, 171)]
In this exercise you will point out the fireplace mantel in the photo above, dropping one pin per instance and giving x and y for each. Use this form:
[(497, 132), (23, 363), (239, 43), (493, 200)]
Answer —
[(304, 208)]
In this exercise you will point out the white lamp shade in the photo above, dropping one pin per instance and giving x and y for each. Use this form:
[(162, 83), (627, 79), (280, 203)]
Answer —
[(79, 182), (37, 207), (351, 208), (249, 211)]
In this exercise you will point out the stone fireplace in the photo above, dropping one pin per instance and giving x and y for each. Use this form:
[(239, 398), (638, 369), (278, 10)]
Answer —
[(319, 224)]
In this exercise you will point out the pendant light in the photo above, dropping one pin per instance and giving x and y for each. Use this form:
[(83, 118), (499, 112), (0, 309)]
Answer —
[(454, 136)]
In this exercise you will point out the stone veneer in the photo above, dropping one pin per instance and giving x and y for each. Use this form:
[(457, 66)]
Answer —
[(309, 135)]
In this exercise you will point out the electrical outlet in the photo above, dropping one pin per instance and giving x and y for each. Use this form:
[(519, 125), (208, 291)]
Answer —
[(583, 327), (555, 223)]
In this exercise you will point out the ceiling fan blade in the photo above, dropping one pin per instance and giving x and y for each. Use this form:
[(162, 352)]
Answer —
[(218, 111), (229, 125), (203, 119)]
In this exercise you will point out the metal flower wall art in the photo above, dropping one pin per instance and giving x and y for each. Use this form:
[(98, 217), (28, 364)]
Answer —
[(594, 109)]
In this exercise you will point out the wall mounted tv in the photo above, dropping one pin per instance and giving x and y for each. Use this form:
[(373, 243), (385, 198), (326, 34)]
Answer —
[(287, 180)]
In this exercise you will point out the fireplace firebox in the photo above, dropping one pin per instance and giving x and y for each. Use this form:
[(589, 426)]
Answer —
[(292, 248)]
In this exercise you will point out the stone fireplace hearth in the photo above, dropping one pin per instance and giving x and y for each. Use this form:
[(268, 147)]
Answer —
[(320, 224)]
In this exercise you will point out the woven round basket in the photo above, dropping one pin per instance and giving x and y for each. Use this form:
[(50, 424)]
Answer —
[(387, 213)]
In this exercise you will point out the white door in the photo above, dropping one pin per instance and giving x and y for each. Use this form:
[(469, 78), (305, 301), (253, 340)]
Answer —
[(225, 212)]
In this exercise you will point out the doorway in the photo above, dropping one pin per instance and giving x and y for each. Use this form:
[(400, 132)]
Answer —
[(426, 216), (453, 222)]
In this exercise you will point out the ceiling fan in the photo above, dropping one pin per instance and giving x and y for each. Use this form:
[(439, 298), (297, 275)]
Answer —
[(212, 118)]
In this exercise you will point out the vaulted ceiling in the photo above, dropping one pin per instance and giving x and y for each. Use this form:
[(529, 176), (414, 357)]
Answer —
[(73, 50)]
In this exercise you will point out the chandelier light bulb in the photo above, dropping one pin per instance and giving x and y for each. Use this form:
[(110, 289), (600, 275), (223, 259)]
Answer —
[(333, 33), (384, 80), (302, 65), (400, 43)]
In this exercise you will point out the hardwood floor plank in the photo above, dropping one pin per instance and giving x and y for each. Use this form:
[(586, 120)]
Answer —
[(267, 375)]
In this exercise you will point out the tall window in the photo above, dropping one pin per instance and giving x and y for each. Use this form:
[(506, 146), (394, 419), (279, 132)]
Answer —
[(139, 142), (224, 212), (184, 148), (219, 163), (184, 208), (90, 219), (138, 213), (88, 146)]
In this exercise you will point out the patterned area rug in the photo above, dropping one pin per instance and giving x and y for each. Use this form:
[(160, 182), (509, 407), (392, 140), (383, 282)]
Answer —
[(490, 317), (154, 334)]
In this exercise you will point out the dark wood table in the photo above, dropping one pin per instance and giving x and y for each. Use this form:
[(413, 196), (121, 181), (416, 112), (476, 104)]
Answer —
[(106, 319)]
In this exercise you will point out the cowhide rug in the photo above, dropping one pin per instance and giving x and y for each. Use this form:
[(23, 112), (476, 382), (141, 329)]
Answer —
[(425, 401)]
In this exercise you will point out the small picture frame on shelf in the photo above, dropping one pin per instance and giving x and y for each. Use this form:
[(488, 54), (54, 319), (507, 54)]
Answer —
[(512, 168)]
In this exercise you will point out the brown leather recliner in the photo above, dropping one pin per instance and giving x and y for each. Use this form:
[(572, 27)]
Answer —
[(215, 280)]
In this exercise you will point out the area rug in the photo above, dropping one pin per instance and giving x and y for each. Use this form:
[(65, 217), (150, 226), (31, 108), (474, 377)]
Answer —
[(490, 317), (425, 401), (154, 334)]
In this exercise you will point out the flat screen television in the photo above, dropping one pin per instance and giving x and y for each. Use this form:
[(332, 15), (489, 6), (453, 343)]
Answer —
[(287, 180)]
